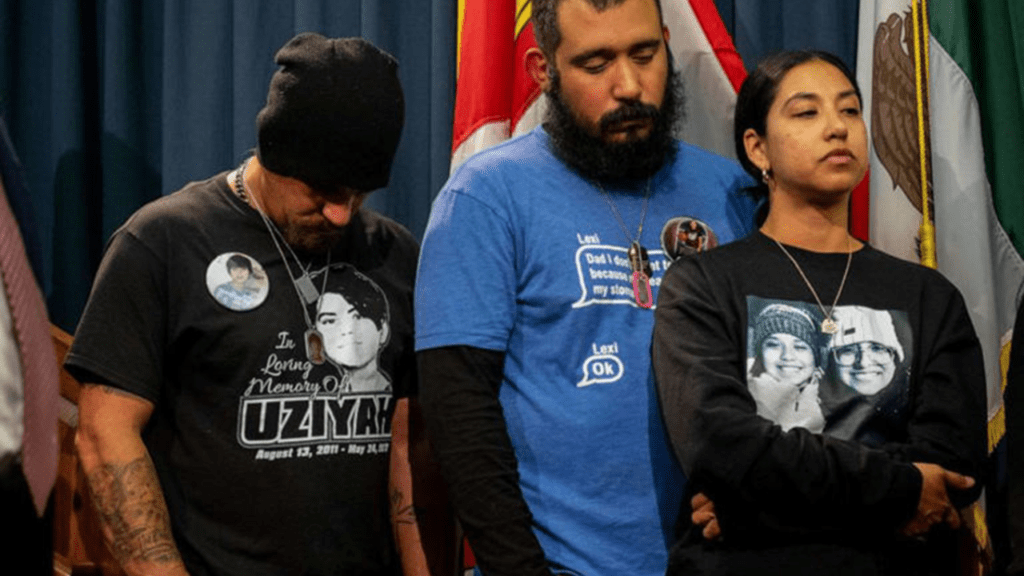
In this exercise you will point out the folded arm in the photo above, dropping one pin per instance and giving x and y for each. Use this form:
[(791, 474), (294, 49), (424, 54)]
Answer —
[(794, 482)]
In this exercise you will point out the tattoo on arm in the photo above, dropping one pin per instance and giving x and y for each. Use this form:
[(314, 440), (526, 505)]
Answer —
[(132, 507), (401, 513)]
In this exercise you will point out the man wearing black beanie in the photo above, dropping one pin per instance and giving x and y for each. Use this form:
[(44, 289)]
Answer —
[(215, 438)]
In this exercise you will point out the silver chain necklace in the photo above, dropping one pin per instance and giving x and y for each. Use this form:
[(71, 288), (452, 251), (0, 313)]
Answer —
[(828, 325), (639, 262), (303, 285)]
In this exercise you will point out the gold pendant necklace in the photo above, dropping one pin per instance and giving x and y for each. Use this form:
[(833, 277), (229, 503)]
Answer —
[(829, 324)]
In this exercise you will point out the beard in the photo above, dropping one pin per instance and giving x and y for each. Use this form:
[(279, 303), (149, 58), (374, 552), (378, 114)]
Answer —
[(310, 239), (636, 158)]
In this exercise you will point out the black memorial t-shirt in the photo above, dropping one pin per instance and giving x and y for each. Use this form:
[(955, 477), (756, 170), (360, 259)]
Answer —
[(270, 463)]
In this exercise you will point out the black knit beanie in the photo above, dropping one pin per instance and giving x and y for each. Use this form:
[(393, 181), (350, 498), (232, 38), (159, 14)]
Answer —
[(334, 113), (785, 319)]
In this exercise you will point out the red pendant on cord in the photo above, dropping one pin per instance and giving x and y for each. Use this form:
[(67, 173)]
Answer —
[(641, 266)]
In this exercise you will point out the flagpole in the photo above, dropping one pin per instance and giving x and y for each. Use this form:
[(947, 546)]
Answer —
[(976, 517), (920, 77)]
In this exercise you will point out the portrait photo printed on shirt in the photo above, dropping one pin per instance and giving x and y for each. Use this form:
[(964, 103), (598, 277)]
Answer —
[(295, 407), (843, 384)]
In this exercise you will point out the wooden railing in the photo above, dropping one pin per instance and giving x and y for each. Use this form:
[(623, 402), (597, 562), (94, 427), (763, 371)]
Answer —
[(78, 547)]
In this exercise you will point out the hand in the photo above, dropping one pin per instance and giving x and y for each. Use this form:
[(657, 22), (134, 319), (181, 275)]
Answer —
[(703, 515), (934, 506)]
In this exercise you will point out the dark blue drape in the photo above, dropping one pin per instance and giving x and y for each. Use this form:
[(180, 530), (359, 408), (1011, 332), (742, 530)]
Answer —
[(760, 27), (111, 103)]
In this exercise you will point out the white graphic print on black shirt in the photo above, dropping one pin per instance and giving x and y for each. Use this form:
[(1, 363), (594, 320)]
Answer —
[(833, 383), (296, 408)]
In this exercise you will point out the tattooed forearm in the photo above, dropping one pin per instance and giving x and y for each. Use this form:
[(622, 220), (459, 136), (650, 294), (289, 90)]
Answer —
[(401, 512), (132, 508)]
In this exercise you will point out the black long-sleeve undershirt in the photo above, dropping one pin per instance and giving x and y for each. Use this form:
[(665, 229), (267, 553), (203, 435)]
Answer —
[(459, 394)]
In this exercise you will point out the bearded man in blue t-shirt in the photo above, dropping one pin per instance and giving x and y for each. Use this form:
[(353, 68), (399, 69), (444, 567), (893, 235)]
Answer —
[(539, 271)]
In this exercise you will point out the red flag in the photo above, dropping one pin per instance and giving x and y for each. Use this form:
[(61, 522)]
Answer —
[(494, 91), (496, 99)]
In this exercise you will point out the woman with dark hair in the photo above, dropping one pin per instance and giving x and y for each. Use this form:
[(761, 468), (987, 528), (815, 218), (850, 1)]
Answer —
[(874, 496), (785, 368)]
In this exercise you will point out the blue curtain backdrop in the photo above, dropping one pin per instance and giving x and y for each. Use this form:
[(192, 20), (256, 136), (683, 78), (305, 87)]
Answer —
[(760, 27), (112, 103)]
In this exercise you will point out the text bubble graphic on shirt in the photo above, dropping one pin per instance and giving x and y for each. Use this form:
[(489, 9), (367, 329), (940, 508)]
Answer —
[(606, 278), (601, 369)]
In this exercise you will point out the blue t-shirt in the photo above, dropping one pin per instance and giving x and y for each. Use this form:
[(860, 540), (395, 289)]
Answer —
[(523, 256)]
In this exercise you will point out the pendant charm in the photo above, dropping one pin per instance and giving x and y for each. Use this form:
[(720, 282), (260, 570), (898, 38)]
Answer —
[(642, 289), (829, 326), (306, 289), (314, 347), (640, 264), (638, 260)]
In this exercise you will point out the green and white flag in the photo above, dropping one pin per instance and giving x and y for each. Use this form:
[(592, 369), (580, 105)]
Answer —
[(972, 126)]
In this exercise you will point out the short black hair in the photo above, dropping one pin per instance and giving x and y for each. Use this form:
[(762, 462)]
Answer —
[(238, 261), (758, 93), (545, 21), (362, 293)]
